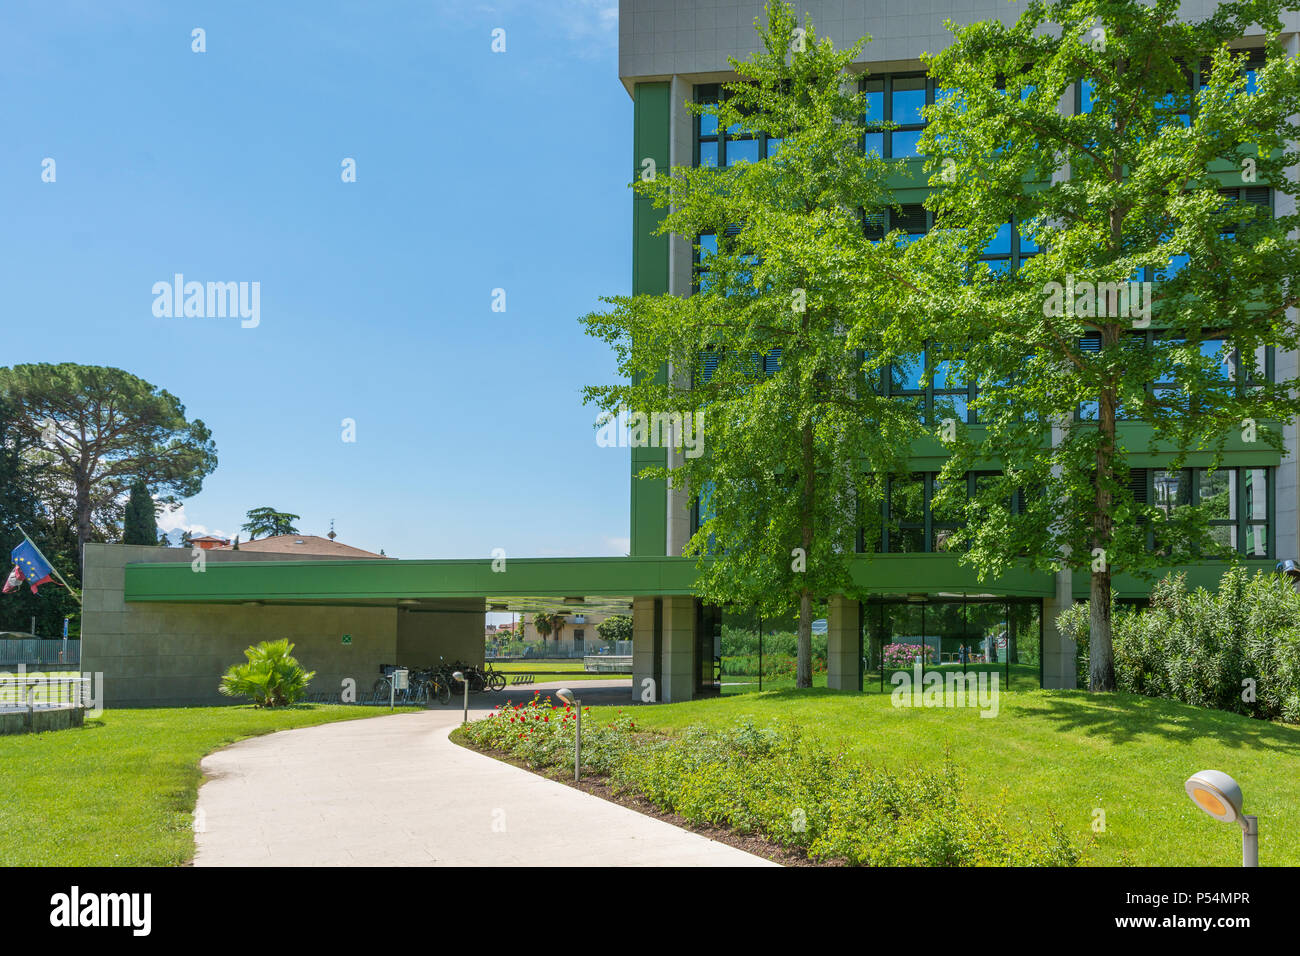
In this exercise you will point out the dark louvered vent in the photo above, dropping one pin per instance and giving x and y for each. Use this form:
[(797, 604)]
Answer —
[(1137, 485), (1090, 342), (910, 218), (873, 224), (1259, 196), (772, 362)]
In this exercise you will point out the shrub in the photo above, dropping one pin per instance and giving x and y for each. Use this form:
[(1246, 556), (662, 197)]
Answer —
[(615, 628), (271, 677), (1236, 649), (742, 642)]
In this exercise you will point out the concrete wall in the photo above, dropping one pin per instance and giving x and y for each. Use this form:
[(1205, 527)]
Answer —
[(454, 632), (175, 654), (659, 39)]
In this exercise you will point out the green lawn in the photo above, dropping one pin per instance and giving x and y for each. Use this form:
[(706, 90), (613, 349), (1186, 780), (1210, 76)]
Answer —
[(1067, 752), (121, 790)]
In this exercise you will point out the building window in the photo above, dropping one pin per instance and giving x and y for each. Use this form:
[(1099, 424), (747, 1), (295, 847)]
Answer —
[(912, 523), (1011, 246), (1180, 101), (1256, 369), (707, 276), (933, 383), (897, 101), (1237, 503), (718, 148)]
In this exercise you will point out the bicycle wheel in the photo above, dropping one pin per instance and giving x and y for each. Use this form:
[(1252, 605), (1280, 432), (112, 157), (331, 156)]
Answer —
[(498, 682), (380, 695), (444, 692)]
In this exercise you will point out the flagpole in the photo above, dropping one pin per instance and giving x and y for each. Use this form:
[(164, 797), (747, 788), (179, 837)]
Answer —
[(71, 590)]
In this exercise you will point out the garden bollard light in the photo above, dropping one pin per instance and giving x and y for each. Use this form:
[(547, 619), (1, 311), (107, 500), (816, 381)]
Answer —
[(457, 675), (566, 695), (1220, 796)]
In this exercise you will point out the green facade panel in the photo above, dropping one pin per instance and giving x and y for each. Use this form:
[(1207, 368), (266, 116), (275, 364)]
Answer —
[(652, 111), (1203, 574), (942, 574)]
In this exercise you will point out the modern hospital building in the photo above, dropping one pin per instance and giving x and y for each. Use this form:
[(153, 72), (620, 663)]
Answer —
[(163, 633)]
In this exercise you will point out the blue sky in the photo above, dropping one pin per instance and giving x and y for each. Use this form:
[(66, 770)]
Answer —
[(475, 171)]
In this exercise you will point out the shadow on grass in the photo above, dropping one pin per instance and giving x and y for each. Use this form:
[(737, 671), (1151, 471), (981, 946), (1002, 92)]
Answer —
[(1121, 718)]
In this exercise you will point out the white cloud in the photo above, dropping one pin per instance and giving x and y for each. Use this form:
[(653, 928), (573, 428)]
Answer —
[(583, 21), (172, 519), (620, 546), (589, 19)]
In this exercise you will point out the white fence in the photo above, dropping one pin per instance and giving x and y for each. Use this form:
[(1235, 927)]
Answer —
[(608, 663), (571, 650), (38, 652), (34, 692)]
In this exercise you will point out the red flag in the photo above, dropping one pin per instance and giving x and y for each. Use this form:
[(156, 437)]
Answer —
[(13, 582)]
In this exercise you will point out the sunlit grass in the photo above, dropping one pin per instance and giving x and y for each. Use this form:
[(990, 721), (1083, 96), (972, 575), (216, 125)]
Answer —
[(1065, 752), (121, 790)]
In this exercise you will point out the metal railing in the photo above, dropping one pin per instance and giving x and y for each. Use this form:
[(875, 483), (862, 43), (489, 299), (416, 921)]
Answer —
[(38, 691), (38, 652), (607, 663), (567, 650)]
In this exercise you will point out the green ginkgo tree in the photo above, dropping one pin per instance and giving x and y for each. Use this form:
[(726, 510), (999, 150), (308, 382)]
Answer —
[(1134, 165), (774, 361)]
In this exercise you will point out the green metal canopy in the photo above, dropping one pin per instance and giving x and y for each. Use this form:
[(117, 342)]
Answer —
[(529, 584)]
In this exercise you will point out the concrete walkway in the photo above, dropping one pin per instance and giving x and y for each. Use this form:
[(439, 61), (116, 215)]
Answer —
[(395, 791)]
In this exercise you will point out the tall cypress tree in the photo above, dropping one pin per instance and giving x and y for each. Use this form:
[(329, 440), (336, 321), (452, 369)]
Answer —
[(141, 524)]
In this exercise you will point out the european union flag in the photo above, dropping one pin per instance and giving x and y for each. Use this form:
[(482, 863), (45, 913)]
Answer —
[(31, 564)]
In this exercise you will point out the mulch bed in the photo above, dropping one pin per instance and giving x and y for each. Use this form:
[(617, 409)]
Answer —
[(599, 786)]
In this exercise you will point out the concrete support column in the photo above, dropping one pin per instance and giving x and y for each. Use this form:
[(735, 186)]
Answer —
[(679, 652), (843, 632), (1058, 650), (643, 645)]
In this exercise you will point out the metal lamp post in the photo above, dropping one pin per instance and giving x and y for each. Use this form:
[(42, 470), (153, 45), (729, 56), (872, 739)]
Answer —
[(1220, 796), (566, 695)]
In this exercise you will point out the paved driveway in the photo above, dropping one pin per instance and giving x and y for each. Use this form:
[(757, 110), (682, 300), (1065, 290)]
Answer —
[(394, 791)]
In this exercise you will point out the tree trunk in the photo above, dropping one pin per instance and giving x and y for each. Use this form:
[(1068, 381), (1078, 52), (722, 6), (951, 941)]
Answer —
[(1101, 664), (83, 518), (803, 666), (803, 673)]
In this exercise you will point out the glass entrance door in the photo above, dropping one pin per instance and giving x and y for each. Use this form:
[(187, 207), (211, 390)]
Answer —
[(708, 650), (1002, 636)]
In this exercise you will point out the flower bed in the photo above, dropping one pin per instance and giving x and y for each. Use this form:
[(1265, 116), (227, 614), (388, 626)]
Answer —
[(775, 782)]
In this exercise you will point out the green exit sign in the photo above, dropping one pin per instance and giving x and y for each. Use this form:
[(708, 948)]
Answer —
[(347, 638)]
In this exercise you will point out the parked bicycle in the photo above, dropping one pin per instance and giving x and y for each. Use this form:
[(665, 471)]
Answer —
[(422, 687)]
